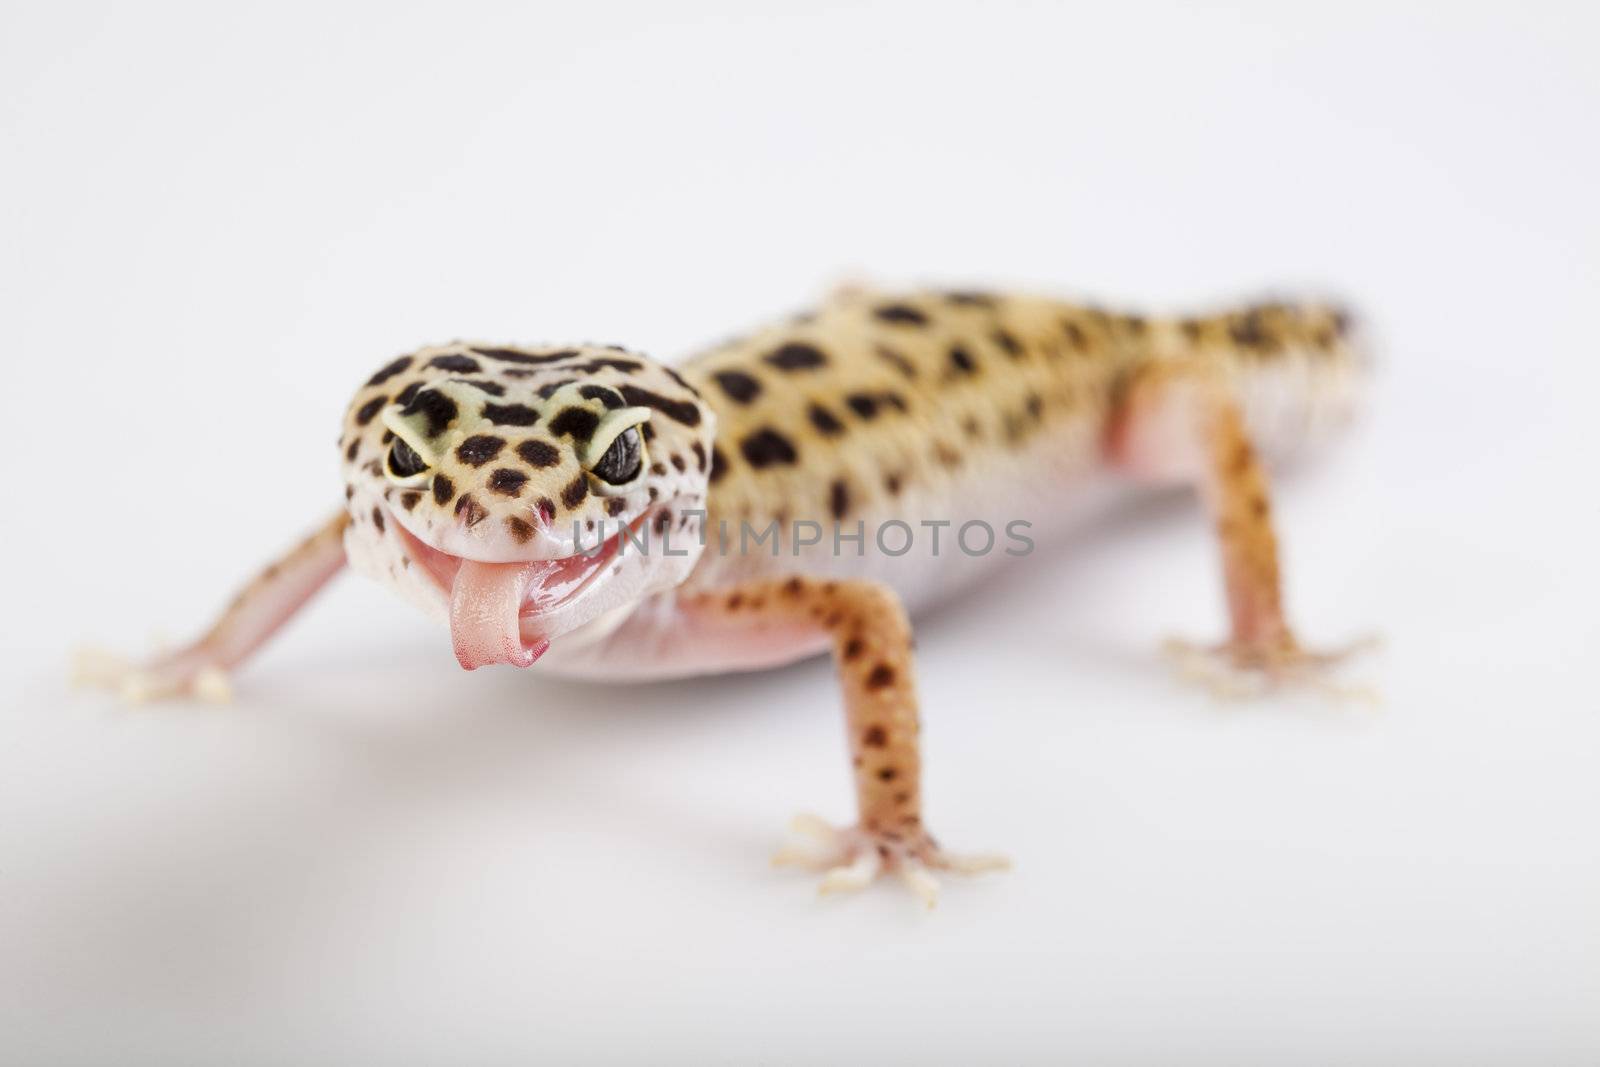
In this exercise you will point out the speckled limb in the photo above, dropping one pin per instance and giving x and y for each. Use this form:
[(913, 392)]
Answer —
[(254, 615), (1178, 420), (871, 640)]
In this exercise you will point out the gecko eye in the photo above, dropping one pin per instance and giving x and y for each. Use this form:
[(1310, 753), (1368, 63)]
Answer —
[(621, 462), (404, 461)]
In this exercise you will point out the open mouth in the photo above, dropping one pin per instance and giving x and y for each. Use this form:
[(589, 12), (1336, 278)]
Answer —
[(500, 612)]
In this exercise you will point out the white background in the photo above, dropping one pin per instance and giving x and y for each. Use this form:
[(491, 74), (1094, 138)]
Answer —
[(217, 224)]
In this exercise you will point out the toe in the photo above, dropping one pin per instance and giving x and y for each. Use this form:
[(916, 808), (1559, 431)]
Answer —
[(917, 879), (857, 874)]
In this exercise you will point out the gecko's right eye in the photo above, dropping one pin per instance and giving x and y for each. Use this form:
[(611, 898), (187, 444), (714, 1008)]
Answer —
[(404, 463)]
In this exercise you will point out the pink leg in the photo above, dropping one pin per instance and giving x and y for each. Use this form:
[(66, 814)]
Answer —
[(261, 608), (1179, 422)]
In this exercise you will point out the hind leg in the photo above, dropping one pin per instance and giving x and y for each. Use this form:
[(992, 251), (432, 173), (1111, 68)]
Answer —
[(1179, 421)]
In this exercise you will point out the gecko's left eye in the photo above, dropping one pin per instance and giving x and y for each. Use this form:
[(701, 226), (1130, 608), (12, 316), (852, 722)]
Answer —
[(620, 463), (404, 461)]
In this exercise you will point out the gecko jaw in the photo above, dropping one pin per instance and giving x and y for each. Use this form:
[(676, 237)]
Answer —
[(509, 612)]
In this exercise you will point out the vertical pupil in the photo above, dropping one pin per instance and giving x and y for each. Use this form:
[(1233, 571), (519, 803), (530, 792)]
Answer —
[(404, 461), (622, 460)]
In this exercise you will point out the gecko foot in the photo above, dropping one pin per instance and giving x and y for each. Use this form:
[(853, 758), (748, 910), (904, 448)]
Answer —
[(1237, 669), (185, 673), (854, 857)]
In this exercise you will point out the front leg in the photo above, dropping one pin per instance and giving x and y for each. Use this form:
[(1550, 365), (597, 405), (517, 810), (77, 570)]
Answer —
[(254, 615), (1179, 421), (871, 640)]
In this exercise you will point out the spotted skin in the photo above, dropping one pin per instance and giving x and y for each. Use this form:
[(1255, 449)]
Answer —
[(870, 410)]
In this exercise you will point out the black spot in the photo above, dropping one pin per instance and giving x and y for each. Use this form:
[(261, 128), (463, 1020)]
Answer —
[(577, 423), (766, 447), (511, 355), (863, 404), (350, 453), (479, 449), (626, 366), (388, 435), (961, 361), (492, 388), (678, 464), (875, 737), (900, 315), (892, 483), (699, 455), (739, 386), (437, 408), (470, 511), (970, 299), (510, 414), (1249, 331), (575, 491), (678, 410), (839, 498), (888, 774), (897, 361), (521, 530), (1035, 405), (608, 397), (377, 518), (408, 500), (390, 370), (796, 356), (1075, 334), (408, 394), (1008, 342), (616, 506), (549, 389), (443, 489), (370, 409), (456, 364), (507, 482), (882, 675), (719, 464), (824, 421), (675, 376), (539, 453)]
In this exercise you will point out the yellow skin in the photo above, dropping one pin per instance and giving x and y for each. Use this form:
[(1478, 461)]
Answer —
[(476, 474)]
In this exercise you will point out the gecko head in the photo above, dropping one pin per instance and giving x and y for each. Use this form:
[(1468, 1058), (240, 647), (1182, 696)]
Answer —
[(510, 490)]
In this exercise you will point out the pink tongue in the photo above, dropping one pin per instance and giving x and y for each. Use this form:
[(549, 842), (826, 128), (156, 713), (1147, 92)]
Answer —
[(485, 609)]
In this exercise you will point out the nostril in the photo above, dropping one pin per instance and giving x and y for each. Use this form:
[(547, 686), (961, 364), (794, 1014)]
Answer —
[(546, 510)]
